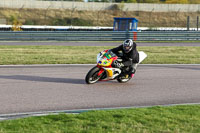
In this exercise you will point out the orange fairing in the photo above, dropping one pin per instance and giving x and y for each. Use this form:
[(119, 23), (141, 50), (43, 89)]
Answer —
[(105, 58), (110, 72), (105, 62)]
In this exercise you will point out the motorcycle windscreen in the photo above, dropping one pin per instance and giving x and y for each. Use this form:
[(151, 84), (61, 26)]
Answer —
[(108, 56), (142, 56)]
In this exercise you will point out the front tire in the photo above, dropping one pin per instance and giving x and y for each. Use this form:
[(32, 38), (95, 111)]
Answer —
[(92, 76)]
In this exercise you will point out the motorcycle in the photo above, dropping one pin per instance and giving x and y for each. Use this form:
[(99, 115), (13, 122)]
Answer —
[(104, 71)]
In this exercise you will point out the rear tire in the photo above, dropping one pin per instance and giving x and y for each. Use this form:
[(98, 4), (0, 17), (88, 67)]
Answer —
[(92, 76), (123, 80)]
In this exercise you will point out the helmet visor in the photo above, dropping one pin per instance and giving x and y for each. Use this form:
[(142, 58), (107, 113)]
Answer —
[(127, 47)]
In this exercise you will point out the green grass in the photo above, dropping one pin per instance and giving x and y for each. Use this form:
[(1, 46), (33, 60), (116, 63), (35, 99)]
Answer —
[(87, 54), (172, 55), (173, 119)]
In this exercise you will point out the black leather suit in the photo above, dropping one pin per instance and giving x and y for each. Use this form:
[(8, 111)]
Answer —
[(133, 54)]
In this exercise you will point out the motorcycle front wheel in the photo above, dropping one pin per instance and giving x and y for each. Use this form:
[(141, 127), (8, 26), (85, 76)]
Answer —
[(92, 76)]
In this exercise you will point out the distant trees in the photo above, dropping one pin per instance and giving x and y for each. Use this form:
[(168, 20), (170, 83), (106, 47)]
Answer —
[(64, 0), (148, 1), (166, 1), (126, 1), (177, 1), (194, 1), (181, 1), (141, 1)]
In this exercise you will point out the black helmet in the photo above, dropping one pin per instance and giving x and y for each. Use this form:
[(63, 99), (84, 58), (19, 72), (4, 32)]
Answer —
[(128, 45)]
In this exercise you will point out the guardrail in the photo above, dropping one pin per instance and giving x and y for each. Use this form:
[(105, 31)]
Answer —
[(99, 35)]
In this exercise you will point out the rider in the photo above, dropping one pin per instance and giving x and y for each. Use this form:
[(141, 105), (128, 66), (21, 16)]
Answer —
[(130, 55)]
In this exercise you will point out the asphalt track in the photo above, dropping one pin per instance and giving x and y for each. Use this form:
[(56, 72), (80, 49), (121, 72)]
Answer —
[(62, 87), (97, 43), (38, 88)]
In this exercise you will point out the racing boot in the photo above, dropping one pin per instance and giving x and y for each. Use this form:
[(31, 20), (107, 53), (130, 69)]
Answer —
[(132, 72)]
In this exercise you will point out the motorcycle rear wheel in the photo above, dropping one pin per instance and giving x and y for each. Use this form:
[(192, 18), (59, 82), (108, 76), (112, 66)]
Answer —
[(123, 80), (92, 76)]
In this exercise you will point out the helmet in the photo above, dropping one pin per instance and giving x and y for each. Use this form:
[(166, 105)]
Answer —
[(127, 45)]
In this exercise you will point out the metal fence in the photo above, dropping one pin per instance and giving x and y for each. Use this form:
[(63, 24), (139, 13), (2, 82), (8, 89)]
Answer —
[(99, 36)]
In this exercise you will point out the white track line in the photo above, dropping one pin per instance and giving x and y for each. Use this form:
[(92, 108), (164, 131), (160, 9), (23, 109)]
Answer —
[(44, 113)]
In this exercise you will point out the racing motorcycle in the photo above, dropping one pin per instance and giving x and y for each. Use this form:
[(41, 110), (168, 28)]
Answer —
[(104, 71)]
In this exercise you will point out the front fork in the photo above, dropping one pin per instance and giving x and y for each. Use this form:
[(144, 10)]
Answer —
[(101, 71)]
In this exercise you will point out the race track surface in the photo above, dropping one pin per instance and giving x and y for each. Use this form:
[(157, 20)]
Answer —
[(60, 43), (62, 87)]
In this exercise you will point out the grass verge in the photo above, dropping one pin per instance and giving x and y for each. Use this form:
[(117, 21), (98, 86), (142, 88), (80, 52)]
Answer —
[(176, 119), (87, 54)]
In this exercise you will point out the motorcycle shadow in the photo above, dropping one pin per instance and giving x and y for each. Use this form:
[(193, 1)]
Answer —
[(44, 79), (112, 83)]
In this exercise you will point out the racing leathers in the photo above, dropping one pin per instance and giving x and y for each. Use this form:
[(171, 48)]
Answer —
[(129, 59)]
